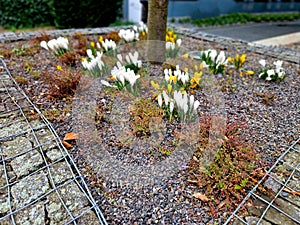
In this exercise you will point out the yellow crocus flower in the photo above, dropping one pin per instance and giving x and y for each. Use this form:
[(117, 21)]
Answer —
[(249, 72), (173, 78), (196, 67), (93, 44), (186, 69), (243, 58), (59, 67), (186, 56), (155, 85), (100, 39), (169, 88)]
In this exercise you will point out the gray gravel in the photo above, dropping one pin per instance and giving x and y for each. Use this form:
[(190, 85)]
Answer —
[(272, 127)]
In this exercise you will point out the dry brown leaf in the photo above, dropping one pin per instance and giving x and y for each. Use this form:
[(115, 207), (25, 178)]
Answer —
[(67, 145), (192, 181), (291, 192), (71, 136), (200, 196)]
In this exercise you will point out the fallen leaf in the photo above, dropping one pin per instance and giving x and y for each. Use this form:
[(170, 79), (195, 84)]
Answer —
[(200, 196), (67, 145), (291, 192), (71, 136)]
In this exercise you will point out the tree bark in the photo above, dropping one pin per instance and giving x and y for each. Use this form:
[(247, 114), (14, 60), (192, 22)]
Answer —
[(157, 25)]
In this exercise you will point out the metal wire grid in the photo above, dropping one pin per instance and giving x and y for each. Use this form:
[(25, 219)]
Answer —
[(282, 186), (16, 95)]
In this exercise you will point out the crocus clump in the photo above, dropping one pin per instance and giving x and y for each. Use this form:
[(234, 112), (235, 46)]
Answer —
[(58, 46), (271, 74), (216, 62)]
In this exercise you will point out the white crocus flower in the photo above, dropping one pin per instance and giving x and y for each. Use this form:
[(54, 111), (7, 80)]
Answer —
[(120, 58), (90, 53), (170, 45), (212, 54), (196, 105), (268, 78), (221, 59), (128, 35), (44, 45), (105, 83), (98, 45), (167, 77), (63, 42), (130, 76), (109, 45), (171, 106), (271, 72), (178, 42), (166, 98), (52, 44), (159, 100), (192, 100), (262, 62), (278, 64)]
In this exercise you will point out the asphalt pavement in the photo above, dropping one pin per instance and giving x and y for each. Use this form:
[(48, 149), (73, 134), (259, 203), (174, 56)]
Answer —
[(256, 31)]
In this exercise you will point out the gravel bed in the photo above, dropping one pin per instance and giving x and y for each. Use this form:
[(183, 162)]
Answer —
[(272, 126)]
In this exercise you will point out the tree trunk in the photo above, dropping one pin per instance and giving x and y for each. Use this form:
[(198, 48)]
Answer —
[(157, 25)]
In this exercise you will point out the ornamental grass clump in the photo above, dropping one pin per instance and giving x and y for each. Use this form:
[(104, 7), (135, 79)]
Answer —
[(269, 73), (63, 81)]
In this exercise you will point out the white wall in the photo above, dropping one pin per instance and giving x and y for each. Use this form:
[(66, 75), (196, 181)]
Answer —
[(134, 11)]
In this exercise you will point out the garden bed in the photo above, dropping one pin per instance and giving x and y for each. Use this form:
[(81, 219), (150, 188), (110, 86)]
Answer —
[(263, 116)]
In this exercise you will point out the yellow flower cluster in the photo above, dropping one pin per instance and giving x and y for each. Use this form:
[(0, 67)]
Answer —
[(195, 80), (238, 60), (171, 36)]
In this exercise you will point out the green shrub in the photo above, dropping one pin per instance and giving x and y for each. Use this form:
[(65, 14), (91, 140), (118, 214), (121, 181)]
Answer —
[(25, 13), (88, 13)]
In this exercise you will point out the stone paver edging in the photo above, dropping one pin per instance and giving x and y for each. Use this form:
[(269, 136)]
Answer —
[(39, 182)]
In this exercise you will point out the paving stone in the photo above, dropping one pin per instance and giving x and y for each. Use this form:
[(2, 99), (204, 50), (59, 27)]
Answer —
[(25, 163), (2, 176), (32, 215), (54, 154), (23, 193), (16, 146), (18, 128), (45, 138), (88, 218), (74, 200), (252, 220), (6, 221), (60, 172), (4, 203), (55, 210)]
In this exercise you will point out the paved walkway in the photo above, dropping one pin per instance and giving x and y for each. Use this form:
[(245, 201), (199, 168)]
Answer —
[(39, 182)]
